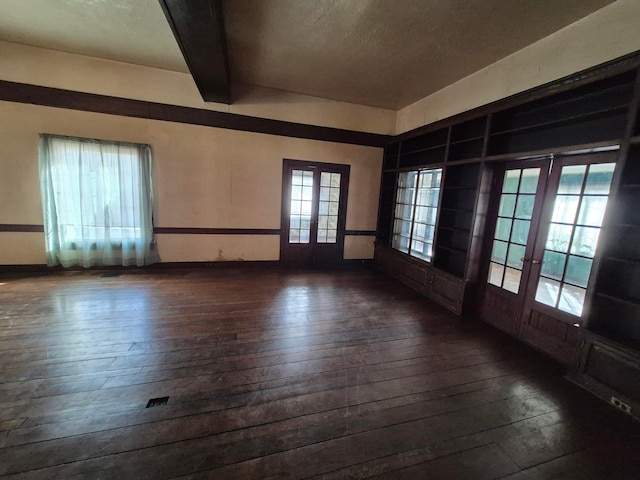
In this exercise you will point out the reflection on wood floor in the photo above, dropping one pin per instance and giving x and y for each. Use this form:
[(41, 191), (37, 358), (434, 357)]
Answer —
[(281, 374)]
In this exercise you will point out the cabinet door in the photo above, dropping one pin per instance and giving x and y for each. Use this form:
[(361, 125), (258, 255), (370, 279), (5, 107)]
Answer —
[(447, 290)]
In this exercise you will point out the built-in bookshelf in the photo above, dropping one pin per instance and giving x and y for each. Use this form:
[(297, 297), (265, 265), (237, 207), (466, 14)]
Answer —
[(456, 218), (427, 149), (615, 308), (467, 140), (592, 113), (589, 111)]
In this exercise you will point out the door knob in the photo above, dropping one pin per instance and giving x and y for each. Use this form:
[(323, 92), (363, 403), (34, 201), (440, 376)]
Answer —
[(536, 262), (524, 259)]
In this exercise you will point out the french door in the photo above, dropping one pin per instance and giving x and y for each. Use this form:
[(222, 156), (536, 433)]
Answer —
[(546, 218), (314, 201)]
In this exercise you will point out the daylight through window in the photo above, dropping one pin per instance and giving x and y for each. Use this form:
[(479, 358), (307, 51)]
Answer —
[(97, 202), (416, 212)]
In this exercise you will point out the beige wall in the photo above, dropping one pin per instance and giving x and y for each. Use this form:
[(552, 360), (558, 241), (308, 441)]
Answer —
[(208, 177), (604, 35), (203, 177), (38, 66)]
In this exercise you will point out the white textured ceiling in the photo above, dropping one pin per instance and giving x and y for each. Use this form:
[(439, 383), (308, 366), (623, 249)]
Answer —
[(386, 53), (132, 31)]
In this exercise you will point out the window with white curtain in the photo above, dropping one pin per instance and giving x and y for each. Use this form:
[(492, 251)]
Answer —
[(97, 201), (416, 211)]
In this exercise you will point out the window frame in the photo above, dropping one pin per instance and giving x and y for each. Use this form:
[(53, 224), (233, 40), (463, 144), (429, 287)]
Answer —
[(104, 173), (413, 219)]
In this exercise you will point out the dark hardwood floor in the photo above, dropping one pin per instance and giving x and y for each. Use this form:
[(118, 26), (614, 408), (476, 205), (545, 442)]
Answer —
[(281, 374)]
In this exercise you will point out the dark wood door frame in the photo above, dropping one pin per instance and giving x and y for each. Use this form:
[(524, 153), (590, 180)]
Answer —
[(318, 253), (543, 230), (547, 328), (513, 303)]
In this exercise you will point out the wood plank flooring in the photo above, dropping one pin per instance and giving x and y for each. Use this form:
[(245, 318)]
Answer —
[(281, 374)]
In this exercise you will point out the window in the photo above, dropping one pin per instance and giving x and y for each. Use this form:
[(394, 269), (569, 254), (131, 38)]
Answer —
[(512, 227), (416, 212), (575, 226), (97, 201)]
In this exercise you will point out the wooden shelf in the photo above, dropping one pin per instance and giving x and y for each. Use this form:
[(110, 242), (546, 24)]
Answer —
[(467, 140), (411, 152), (465, 230), (434, 139), (628, 301), (466, 149), (630, 261), (464, 161), (626, 225), (470, 130), (558, 138), (423, 158), (450, 209), (452, 249), (621, 83), (628, 345), (602, 95), (615, 308), (566, 120), (576, 147), (452, 188)]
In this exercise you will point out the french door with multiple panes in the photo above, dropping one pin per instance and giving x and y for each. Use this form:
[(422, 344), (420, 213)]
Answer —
[(546, 216), (314, 200)]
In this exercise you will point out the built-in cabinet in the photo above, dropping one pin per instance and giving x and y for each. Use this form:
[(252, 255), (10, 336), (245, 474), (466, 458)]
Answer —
[(608, 360), (594, 111), (449, 278), (446, 289), (457, 216)]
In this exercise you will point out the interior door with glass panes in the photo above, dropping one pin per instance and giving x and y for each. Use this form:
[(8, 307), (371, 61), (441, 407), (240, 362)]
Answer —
[(516, 208), (542, 249), (313, 213), (564, 252)]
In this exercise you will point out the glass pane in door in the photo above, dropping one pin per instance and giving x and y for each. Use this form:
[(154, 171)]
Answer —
[(512, 227), (300, 207), (424, 220), (403, 216), (571, 243), (328, 207)]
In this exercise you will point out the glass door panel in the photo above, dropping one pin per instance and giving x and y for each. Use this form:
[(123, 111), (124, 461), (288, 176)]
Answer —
[(570, 245), (300, 208), (513, 224), (328, 207), (405, 197), (424, 220)]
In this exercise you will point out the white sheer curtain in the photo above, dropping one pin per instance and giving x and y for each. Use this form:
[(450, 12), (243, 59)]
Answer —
[(97, 200)]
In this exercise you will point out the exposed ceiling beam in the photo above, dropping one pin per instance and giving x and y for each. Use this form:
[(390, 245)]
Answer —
[(198, 26)]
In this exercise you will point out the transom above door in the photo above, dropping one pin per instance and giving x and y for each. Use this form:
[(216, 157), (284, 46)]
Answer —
[(545, 224), (313, 212)]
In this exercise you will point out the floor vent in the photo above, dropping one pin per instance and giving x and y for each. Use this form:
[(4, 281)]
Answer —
[(157, 402), (110, 275)]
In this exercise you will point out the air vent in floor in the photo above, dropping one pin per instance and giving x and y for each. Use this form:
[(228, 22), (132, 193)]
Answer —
[(157, 402)]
